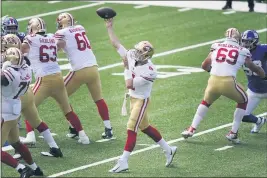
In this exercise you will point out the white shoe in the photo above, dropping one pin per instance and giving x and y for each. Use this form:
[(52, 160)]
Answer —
[(170, 156), (122, 165), (257, 127), (189, 132), (232, 137), (30, 139), (17, 156), (84, 140)]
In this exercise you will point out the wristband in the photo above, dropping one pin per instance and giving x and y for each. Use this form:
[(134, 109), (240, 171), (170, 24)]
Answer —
[(127, 74)]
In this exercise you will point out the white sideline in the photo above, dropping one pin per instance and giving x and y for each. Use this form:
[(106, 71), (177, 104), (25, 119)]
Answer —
[(142, 150), (60, 11)]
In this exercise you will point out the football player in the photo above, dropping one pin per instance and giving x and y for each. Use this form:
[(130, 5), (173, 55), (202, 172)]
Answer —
[(15, 80), (29, 110), (84, 70), (139, 75), (41, 49), (223, 62), (257, 87), (10, 25)]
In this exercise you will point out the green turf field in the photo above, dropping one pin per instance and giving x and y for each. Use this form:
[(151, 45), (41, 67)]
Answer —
[(174, 98)]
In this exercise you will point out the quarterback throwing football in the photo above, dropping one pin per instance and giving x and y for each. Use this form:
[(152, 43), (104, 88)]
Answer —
[(139, 75)]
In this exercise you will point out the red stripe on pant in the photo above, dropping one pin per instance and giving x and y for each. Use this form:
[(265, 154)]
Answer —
[(141, 114), (68, 78)]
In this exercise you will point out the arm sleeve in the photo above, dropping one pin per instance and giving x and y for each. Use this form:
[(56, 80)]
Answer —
[(245, 52), (27, 40), (139, 81), (144, 79), (59, 35), (4, 80), (122, 51), (213, 47), (8, 74)]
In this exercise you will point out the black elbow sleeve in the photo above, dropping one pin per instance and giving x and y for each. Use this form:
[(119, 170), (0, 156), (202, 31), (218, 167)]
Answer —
[(4, 81)]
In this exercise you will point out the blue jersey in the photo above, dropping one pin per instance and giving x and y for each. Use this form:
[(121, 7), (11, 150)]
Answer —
[(259, 57), (21, 35)]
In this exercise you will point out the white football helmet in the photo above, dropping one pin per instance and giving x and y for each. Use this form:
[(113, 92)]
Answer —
[(233, 33), (10, 40), (15, 57), (36, 25)]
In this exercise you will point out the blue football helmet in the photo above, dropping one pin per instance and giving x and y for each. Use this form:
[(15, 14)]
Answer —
[(250, 39), (10, 25)]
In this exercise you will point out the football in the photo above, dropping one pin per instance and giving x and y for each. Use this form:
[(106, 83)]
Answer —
[(106, 12)]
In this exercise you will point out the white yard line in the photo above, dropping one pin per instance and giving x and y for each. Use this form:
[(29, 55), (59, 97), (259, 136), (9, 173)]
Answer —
[(223, 148), (140, 151), (53, 2), (141, 6), (62, 10), (229, 12), (184, 9)]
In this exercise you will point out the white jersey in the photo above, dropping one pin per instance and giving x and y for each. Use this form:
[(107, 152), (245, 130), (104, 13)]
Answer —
[(42, 54), (227, 58), (78, 48), (143, 76), (19, 81)]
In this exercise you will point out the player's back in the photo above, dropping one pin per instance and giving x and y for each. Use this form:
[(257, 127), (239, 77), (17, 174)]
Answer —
[(227, 58), (78, 48), (19, 81), (259, 57), (42, 54)]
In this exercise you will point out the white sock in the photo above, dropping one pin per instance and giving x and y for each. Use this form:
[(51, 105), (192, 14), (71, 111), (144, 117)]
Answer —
[(82, 133), (238, 116), (164, 145), (20, 166), (107, 124), (200, 114), (31, 134), (49, 139), (33, 166), (125, 155)]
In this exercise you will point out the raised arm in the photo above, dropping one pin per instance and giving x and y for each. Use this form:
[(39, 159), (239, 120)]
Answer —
[(113, 38)]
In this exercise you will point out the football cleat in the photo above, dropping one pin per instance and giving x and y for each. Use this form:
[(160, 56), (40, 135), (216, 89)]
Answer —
[(171, 155), (122, 165), (38, 172), (73, 133), (84, 140), (54, 152), (26, 172), (232, 137), (257, 127), (189, 132), (108, 134), (30, 139), (17, 155)]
